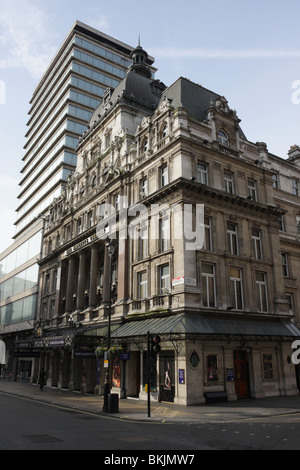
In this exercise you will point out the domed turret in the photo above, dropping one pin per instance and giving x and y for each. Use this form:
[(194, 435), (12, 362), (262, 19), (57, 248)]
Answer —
[(139, 62)]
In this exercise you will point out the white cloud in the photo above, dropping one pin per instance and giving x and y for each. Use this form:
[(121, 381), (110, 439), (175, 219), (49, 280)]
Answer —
[(23, 36), (194, 53)]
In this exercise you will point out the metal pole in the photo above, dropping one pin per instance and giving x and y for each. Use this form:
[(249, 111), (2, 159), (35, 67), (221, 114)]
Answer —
[(148, 371), (107, 375)]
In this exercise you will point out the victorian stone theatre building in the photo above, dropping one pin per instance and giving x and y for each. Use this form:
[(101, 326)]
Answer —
[(156, 166)]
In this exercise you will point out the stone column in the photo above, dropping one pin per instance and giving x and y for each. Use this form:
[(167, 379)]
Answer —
[(122, 269), (93, 275), (70, 285), (81, 280), (106, 277)]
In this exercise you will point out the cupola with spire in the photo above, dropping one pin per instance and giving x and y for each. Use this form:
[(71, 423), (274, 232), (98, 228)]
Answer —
[(139, 61)]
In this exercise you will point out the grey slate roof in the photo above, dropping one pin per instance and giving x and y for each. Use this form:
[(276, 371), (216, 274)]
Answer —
[(193, 97), (207, 325)]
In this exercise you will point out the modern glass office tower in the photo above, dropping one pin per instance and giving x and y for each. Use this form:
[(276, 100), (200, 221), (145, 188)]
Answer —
[(87, 63)]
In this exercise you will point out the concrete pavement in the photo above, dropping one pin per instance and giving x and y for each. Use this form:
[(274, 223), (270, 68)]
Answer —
[(136, 410)]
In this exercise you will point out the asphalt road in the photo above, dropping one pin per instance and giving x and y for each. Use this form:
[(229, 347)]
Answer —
[(30, 425)]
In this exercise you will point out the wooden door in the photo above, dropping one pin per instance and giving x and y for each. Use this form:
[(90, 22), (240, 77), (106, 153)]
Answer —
[(241, 374)]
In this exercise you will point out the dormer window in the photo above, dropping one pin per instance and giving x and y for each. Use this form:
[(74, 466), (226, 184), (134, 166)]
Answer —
[(145, 145), (164, 132), (222, 138)]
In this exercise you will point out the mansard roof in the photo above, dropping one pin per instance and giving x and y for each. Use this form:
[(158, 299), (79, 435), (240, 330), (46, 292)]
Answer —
[(193, 97)]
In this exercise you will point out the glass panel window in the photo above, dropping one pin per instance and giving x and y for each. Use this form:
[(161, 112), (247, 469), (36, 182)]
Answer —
[(295, 189), (144, 187), (236, 289), (228, 181), (164, 233), (252, 190), (232, 238), (143, 242), (164, 131), (285, 264), (275, 180), (164, 279), (208, 285), (261, 284), (142, 285), (202, 173), (208, 234), (290, 300), (164, 176), (256, 242), (222, 138), (298, 224)]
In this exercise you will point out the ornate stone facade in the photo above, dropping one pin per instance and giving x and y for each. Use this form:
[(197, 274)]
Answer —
[(156, 165)]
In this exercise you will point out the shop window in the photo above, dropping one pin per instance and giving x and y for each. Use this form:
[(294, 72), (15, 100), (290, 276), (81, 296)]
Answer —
[(212, 373), (268, 370)]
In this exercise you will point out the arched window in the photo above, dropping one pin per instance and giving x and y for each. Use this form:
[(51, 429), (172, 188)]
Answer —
[(93, 181), (164, 131), (222, 138), (145, 145)]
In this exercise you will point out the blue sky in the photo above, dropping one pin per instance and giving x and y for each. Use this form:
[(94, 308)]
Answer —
[(248, 51)]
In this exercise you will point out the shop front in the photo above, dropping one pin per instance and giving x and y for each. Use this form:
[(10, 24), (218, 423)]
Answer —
[(203, 357)]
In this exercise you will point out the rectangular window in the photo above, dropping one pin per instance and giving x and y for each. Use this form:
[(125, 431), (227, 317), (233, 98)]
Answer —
[(90, 219), (298, 224), (164, 233), (261, 284), (164, 178), (236, 289), (164, 279), (228, 181), (117, 202), (232, 238), (142, 285), (52, 308), (252, 190), (144, 188), (256, 243), (202, 173), (208, 234), (208, 285), (268, 366), (285, 264), (281, 223), (275, 180), (295, 189), (143, 242), (290, 300)]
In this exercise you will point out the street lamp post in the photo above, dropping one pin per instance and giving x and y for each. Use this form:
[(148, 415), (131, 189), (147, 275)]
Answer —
[(110, 251)]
